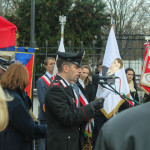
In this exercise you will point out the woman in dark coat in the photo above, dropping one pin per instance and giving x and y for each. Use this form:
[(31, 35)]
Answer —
[(132, 84), (130, 74), (85, 84), (21, 129), (87, 89)]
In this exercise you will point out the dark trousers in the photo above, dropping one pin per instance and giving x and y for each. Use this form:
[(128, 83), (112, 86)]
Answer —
[(42, 142), (99, 120)]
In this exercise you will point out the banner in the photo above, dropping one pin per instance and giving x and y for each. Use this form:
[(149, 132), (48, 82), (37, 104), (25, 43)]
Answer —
[(145, 74), (112, 66), (26, 58)]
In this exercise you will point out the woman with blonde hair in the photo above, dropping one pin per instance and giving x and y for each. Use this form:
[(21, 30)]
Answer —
[(85, 83), (21, 129)]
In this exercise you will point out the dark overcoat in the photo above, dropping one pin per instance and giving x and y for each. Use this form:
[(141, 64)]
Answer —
[(21, 129), (63, 117), (135, 95), (88, 92), (128, 130)]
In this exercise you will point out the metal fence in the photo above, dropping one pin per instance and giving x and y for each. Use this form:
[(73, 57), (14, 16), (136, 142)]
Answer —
[(131, 49)]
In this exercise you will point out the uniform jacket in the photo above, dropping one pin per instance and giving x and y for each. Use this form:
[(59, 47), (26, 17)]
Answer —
[(41, 91), (128, 130), (63, 117), (21, 129)]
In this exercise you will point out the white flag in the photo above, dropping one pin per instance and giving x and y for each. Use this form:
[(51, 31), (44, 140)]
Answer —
[(112, 66), (61, 49)]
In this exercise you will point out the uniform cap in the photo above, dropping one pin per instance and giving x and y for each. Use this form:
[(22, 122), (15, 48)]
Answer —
[(75, 58)]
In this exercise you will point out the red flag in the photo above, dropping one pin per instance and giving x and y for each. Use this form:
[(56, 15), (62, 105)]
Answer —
[(145, 75), (29, 67), (7, 33)]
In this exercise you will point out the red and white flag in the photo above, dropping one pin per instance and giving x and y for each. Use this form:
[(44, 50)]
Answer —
[(145, 74)]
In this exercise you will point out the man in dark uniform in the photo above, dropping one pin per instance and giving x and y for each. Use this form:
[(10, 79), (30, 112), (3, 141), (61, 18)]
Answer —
[(63, 115), (128, 130)]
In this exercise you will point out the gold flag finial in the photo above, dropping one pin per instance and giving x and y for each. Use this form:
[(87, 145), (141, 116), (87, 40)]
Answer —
[(16, 37)]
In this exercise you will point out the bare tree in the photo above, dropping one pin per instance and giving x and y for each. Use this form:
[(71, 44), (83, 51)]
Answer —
[(8, 7), (129, 15), (130, 19)]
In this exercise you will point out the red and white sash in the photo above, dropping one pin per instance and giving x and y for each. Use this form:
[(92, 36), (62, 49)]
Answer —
[(46, 80), (90, 124)]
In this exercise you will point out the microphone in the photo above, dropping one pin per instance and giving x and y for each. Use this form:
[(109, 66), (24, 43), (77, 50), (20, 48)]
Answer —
[(97, 77)]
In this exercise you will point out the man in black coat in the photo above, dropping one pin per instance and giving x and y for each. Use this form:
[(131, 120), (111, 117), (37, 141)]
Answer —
[(63, 116), (128, 130)]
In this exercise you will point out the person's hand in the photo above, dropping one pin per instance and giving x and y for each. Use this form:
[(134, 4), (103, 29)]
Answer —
[(97, 104)]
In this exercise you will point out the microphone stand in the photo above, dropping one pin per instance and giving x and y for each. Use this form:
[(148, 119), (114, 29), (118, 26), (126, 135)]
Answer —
[(115, 91)]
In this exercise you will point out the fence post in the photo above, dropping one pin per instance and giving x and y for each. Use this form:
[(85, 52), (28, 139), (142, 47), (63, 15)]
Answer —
[(46, 47), (69, 45), (81, 45)]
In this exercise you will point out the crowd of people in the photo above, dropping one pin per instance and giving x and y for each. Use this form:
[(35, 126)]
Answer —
[(62, 114)]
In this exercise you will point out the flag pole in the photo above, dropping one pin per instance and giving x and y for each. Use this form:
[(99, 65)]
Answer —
[(111, 20), (62, 20), (112, 23), (61, 48)]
